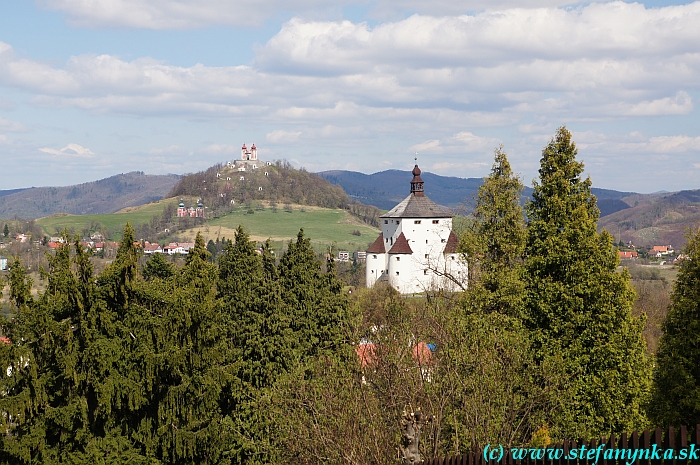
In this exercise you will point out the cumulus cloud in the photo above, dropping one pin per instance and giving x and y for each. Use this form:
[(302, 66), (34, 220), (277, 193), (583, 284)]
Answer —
[(593, 62), (70, 151), (187, 14), (462, 142)]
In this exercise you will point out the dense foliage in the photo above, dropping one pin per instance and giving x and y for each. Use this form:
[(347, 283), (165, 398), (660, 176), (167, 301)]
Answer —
[(578, 306), (251, 358), (676, 399)]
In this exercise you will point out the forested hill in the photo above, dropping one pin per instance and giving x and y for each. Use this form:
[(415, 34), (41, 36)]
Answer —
[(387, 188), (656, 219), (104, 196), (275, 182)]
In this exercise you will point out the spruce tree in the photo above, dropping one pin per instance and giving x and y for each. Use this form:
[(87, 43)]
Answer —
[(676, 395), (6, 230), (496, 241), (579, 307), (157, 267)]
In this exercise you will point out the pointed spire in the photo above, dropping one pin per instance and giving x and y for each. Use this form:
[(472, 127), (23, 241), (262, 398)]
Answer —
[(417, 183)]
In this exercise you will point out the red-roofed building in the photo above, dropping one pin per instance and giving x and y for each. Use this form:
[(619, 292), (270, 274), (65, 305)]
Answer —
[(624, 255), (417, 250)]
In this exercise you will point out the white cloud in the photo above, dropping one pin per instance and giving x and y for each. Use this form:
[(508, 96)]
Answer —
[(70, 151), (280, 136), (11, 126), (170, 149), (186, 14)]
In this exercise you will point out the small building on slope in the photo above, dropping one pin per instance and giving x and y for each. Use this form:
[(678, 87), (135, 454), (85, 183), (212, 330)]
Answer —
[(417, 250)]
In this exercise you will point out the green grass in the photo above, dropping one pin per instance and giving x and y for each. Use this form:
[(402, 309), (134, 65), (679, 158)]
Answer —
[(114, 222), (322, 225)]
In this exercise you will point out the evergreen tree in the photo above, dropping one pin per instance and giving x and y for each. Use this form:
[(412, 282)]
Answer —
[(579, 307), (676, 396), (496, 241), (6, 230), (157, 267)]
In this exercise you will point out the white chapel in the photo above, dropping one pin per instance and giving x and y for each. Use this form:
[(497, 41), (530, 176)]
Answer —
[(417, 250)]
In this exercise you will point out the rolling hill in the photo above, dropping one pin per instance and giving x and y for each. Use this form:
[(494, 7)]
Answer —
[(655, 219), (104, 196), (387, 188)]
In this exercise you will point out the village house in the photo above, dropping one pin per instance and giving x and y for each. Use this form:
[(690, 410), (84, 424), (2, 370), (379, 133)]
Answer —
[(416, 250), (149, 248), (661, 249), (627, 255), (3, 263)]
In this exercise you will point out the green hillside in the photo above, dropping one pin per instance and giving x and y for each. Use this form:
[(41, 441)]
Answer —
[(113, 223), (324, 226)]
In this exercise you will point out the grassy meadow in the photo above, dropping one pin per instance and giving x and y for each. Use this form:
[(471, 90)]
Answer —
[(114, 222), (324, 226)]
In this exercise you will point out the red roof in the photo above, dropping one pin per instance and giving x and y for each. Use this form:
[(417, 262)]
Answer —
[(452, 243), (422, 354), (401, 246), (244, 147), (624, 254), (366, 353), (5, 340), (378, 245)]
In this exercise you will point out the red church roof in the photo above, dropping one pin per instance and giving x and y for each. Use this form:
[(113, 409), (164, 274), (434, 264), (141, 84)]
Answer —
[(378, 245), (401, 246), (452, 243)]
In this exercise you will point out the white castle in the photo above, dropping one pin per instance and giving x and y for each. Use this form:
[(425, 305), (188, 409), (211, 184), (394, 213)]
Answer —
[(417, 250)]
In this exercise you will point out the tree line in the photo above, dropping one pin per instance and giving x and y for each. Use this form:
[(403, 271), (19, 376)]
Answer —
[(255, 360)]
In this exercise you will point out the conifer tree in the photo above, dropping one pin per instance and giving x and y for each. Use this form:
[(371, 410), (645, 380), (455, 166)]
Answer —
[(157, 267), (579, 307), (496, 242), (676, 395)]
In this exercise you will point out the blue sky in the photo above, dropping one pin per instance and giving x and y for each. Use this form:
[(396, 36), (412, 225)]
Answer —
[(89, 89)]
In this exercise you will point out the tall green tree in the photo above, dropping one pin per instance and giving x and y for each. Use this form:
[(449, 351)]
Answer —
[(6, 230), (676, 395), (579, 306), (496, 241)]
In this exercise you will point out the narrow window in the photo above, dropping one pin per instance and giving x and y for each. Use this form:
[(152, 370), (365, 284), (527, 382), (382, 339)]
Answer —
[(425, 272), (392, 241), (386, 221), (426, 255), (397, 273), (453, 258), (374, 256), (436, 221), (426, 241), (443, 240), (372, 271), (416, 222), (386, 240), (398, 259)]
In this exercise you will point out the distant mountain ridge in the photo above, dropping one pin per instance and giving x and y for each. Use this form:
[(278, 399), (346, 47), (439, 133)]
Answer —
[(104, 196), (656, 219), (387, 188)]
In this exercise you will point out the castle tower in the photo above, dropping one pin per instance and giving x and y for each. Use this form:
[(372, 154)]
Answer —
[(245, 153), (416, 250), (253, 152), (200, 208)]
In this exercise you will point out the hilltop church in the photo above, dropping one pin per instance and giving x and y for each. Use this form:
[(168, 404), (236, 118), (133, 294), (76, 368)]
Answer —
[(417, 250)]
